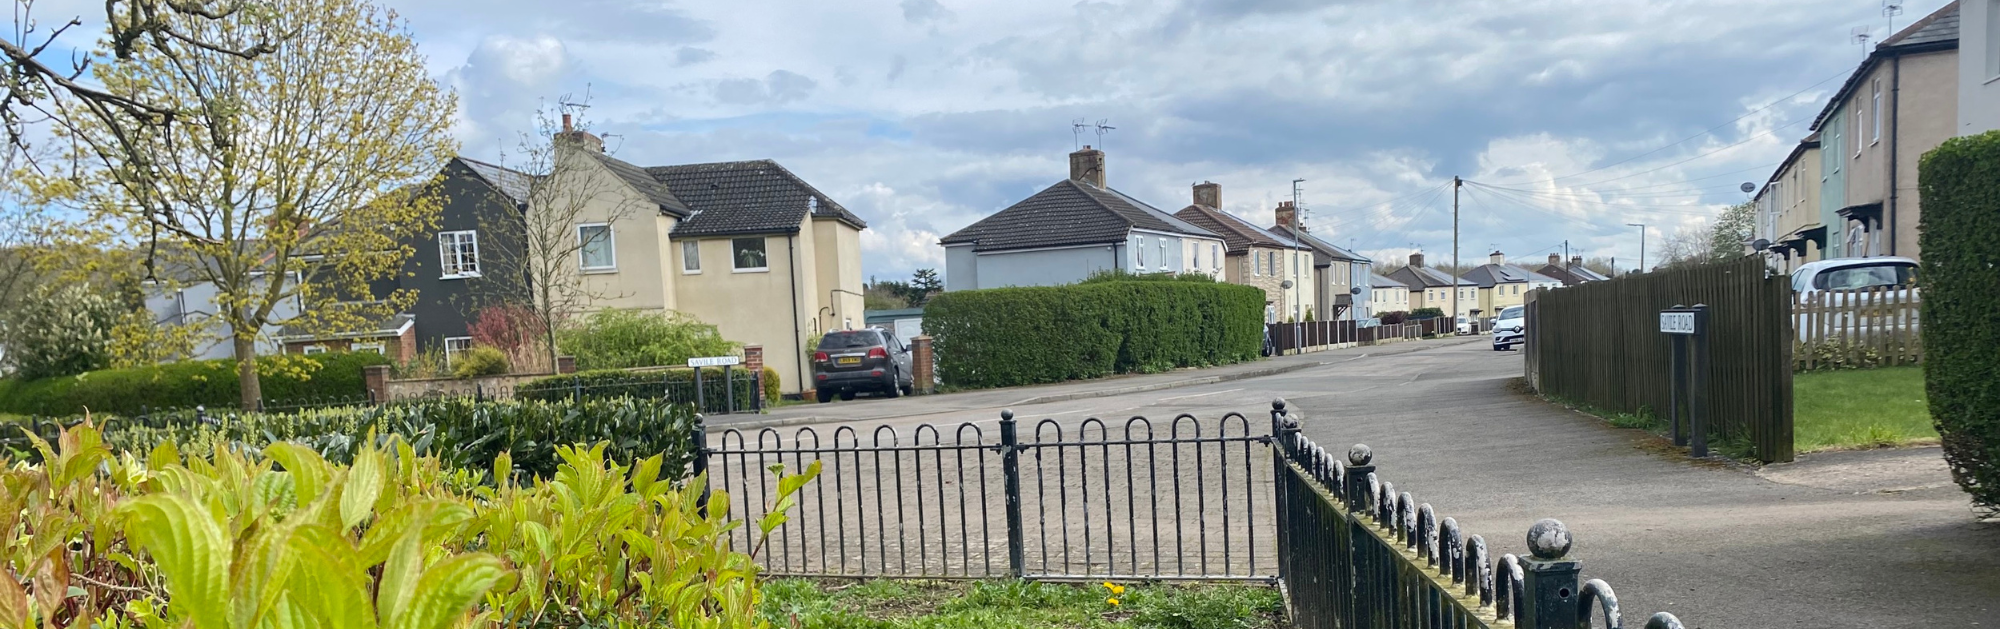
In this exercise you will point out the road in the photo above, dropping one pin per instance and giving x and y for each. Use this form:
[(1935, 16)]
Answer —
[(1857, 539)]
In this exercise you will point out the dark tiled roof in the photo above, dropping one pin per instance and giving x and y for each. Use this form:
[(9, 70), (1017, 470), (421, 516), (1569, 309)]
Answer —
[(1937, 31), (1486, 275), (1066, 214), (1584, 273), (636, 177), (1419, 277), (1941, 25), (1322, 249), (1237, 234), (753, 197), (1378, 280), (512, 183)]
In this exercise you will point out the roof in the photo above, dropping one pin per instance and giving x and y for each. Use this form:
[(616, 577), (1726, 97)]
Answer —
[(1378, 280), (1793, 159), (392, 325), (1068, 213), (1935, 32), (512, 183), (1425, 277), (1238, 235), (750, 197), (1320, 247), (639, 180), (1486, 275)]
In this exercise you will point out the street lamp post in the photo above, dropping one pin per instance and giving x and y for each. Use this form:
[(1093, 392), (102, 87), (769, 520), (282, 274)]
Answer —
[(1642, 244)]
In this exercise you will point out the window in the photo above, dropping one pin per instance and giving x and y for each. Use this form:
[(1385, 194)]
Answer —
[(690, 256), (1877, 100), (314, 349), (1257, 263), (1141, 252), (369, 348), (458, 254), (1215, 250), (455, 345), (1865, 277), (1859, 120), (1197, 257), (1993, 39), (596, 251), (747, 254), (1163, 254)]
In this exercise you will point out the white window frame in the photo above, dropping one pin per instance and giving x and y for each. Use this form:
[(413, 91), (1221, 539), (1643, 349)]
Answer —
[(1256, 264), (451, 261), (750, 269), (378, 347), (1163, 254), (1197, 257), (1993, 40), (1215, 256), (1876, 90), (690, 246), (583, 249), (1858, 122), (313, 350), (464, 344)]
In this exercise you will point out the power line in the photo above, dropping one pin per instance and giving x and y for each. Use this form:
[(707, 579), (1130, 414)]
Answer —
[(1742, 142), (1525, 197)]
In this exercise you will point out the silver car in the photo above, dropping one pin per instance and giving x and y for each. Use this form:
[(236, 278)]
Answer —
[(1510, 328)]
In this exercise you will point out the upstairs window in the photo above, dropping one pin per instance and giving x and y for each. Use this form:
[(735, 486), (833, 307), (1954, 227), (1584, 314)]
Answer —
[(1877, 100), (690, 256), (1215, 250), (458, 254), (747, 254), (595, 251)]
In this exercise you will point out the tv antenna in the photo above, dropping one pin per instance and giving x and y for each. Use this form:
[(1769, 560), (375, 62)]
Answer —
[(1076, 128), (1861, 35), (1102, 129), (1891, 9)]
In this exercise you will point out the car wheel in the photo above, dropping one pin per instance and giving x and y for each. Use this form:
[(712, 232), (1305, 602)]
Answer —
[(893, 390), (846, 395), (824, 396)]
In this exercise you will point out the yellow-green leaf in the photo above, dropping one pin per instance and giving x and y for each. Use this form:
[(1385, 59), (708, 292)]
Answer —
[(363, 486), (189, 546), (448, 589)]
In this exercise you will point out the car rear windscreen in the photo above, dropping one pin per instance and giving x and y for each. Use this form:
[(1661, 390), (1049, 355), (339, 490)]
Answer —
[(849, 340), (1863, 277)]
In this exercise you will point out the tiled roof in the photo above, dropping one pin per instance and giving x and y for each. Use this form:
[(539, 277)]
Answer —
[(512, 183), (1237, 234), (1378, 280), (1066, 214), (1584, 273), (1418, 277), (636, 177), (1937, 31), (752, 197), (1940, 25), (1486, 275), (1323, 252)]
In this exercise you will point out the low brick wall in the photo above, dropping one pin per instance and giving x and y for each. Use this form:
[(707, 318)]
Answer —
[(490, 387)]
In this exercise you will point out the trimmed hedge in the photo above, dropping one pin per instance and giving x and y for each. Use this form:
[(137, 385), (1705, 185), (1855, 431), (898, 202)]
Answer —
[(607, 383), (1014, 336), (185, 384), (1960, 275), (462, 433)]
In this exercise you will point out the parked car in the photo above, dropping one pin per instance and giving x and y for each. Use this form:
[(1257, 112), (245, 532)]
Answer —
[(1840, 283), (1465, 326), (869, 360), (1510, 329)]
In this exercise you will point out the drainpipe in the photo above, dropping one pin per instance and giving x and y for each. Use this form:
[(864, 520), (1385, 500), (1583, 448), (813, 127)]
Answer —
[(1895, 105), (798, 336)]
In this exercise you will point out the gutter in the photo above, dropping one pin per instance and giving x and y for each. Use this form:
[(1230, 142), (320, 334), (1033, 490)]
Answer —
[(798, 348)]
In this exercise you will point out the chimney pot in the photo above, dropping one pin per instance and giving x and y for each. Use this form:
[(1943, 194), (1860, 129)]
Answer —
[(566, 126), (1208, 194), (1496, 258), (1087, 165), (1555, 259), (1576, 260), (1417, 259), (1288, 214)]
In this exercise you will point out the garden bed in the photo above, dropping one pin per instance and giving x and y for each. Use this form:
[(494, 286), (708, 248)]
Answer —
[(887, 604)]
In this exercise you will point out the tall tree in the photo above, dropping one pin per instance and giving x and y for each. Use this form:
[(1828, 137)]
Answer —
[(1731, 230), (285, 177), (923, 284)]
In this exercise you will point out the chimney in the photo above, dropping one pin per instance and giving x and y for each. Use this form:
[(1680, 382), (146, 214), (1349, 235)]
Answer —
[(1576, 260), (1496, 258), (1288, 214), (1087, 166), (1208, 194), (1417, 259), (1556, 260), (585, 139), (566, 127)]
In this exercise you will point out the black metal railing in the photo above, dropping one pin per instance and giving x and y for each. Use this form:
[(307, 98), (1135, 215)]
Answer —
[(1089, 499), (1354, 552)]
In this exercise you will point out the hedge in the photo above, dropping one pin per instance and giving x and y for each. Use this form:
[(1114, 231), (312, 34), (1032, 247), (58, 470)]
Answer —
[(607, 383), (1959, 235), (185, 384), (463, 433), (1015, 336)]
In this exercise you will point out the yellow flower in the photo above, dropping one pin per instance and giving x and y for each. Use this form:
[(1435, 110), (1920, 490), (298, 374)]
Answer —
[(1113, 602), (1115, 588)]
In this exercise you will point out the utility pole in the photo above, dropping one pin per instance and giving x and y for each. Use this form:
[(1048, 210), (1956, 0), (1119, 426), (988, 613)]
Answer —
[(1642, 244), (1456, 183), (1298, 288)]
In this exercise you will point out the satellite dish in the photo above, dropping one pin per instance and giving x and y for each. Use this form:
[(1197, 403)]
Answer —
[(1760, 244), (1287, 284), (1354, 291), (1749, 187)]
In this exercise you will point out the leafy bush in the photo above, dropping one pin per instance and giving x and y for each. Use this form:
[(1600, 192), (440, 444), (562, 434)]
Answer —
[(480, 361), (1122, 275), (1394, 318), (1835, 355), (516, 331), (60, 330), (625, 339), (1013, 336), (394, 540), (186, 384), (1427, 313), (608, 383), (1960, 184)]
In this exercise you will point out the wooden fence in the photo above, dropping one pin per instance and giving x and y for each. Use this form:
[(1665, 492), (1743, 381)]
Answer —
[(1308, 335), (1859, 328), (1600, 344)]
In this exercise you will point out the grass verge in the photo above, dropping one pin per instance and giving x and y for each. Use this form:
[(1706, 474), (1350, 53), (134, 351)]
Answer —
[(1867, 408), (888, 604)]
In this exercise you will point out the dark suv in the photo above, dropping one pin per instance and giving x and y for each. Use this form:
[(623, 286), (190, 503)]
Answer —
[(853, 361)]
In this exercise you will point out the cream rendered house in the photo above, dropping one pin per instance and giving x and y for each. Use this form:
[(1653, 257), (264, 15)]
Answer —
[(746, 246)]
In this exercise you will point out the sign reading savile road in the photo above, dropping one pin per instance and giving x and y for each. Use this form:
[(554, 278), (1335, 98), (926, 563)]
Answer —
[(714, 361), (1677, 322)]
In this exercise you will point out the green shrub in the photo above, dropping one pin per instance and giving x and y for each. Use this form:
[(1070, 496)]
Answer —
[(608, 383), (626, 339), (60, 331), (1960, 185), (289, 379), (1122, 275), (1426, 313), (1014, 336), (481, 361)]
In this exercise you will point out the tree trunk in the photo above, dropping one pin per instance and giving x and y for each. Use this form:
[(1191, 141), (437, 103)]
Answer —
[(246, 371)]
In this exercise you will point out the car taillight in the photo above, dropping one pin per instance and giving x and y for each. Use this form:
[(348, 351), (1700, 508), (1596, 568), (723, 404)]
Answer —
[(878, 352), (819, 356)]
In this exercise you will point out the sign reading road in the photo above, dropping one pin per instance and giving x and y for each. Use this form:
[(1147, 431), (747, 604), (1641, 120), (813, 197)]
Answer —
[(714, 361), (1677, 322)]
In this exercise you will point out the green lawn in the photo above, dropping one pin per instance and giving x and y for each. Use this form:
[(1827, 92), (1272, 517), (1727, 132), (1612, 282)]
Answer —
[(1865, 408), (887, 604)]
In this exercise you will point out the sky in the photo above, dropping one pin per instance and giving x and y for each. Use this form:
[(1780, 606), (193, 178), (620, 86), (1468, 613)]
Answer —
[(1572, 119)]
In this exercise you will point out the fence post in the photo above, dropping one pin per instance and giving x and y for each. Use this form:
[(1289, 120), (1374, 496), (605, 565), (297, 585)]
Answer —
[(1010, 467), (700, 396), (1698, 398), (1677, 387), (1549, 580), (728, 390), (757, 391), (1362, 572), (575, 388), (700, 462)]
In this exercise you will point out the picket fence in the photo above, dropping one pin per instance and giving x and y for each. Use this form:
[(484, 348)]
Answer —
[(1856, 328)]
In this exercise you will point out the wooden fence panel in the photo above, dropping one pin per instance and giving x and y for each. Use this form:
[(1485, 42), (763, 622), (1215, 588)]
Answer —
[(1599, 344), (1879, 323)]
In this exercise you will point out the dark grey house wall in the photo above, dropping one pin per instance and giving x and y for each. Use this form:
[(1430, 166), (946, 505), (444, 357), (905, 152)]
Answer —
[(445, 308)]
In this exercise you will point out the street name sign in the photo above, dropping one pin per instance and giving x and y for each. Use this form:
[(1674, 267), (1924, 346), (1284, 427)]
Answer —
[(714, 361)]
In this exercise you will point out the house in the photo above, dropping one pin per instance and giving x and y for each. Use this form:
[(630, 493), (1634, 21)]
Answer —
[(1340, 276), (474, 259), (1502, 285), (1071, 230), (187, 299), (1979, 68), (1282, 267), (1901, 102), (1569, 274), (393, 336), (1431, 288), (1788, 208), (1386, 295)]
